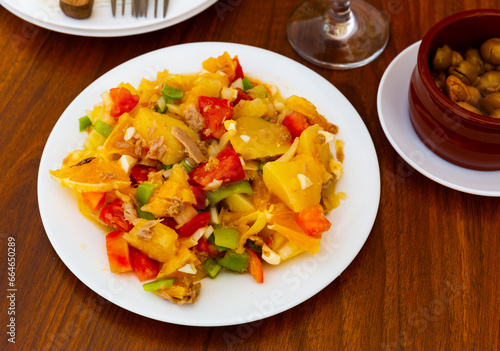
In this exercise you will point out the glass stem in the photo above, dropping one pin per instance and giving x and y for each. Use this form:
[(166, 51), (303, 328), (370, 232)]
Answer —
[(339, 20)]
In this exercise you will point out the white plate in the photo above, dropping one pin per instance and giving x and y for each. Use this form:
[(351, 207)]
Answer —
[(393, 111), (47, 14), (230, 298)]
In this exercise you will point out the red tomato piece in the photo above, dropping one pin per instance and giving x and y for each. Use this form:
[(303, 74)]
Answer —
[(296, 123), (202, 245), (199, 195), (123, 101), (312, 220), (139, 173), (94, 200), (255, 267), (199, 221), (146, 268), (118, 252), (238, 71), (241, 96), (113, 215), (226, 167), (215, 111)]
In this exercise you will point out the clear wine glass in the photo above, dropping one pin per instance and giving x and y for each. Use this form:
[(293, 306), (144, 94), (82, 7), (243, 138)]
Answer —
[(339, 34)]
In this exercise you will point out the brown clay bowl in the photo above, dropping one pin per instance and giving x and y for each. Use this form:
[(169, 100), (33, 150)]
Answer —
[(464, 138)]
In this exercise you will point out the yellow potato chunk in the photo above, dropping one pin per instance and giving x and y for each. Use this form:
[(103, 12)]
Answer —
[(180, 259), (258, 138), (250, 108), (158, 242), (156, 130), (297, 183)]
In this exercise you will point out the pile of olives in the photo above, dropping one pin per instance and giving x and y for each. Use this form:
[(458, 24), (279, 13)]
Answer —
[(471, 78)]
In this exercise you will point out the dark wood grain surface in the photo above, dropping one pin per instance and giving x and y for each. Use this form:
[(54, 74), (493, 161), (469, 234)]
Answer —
[(426, 278)]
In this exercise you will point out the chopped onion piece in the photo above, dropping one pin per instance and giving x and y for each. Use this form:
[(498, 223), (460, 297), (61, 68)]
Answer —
[(287, 156), (270, 256)]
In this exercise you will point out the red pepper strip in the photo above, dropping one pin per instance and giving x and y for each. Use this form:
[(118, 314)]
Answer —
[(146, 268), (118, 252), (241, 96), (123, 101), (94, 200), (215, 111), (296, 123), (226, 168), (139, 173), (312, 220), (255, 267), (112, 215), (238, 71), (199, 221)]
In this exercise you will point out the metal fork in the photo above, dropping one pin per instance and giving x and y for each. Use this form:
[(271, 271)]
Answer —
[(140, 7)]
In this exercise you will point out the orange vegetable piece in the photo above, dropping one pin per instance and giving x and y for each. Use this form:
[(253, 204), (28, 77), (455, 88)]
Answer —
[(313, 222), (255, 267), (94, 199)]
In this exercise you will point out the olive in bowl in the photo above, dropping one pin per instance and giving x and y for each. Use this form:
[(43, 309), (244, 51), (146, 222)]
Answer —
[(454, 131)]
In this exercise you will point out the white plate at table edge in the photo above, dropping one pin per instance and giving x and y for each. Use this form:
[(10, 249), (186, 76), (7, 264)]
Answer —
[(102, 23), (80, 245), (392, 104)]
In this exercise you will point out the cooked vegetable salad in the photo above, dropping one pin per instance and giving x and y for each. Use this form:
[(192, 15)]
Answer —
[(192, 175)]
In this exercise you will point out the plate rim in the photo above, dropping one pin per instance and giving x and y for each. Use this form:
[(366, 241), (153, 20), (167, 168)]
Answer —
[(107, 33), (369, 220), (401, 57)]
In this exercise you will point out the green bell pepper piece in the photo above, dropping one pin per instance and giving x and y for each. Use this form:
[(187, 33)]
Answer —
[(103, 128), (144, 192), (159, 284), (84, 123), (258, 91), (171, 92), (234, 262), (239, 187), (246, 84), (226, 237), (220, 248), (145, 214), (211, 267)]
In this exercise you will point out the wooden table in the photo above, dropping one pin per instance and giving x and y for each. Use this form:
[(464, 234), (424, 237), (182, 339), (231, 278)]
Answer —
[(426, 278)]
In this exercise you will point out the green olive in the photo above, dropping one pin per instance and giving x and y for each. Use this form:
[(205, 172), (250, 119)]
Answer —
[(466, 72), (456, 90), (475, 96), (456, 58), (442, 58), (474, 56), (495, 114), (489, 82), (490, 50), (490, 103), (468, 107)]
